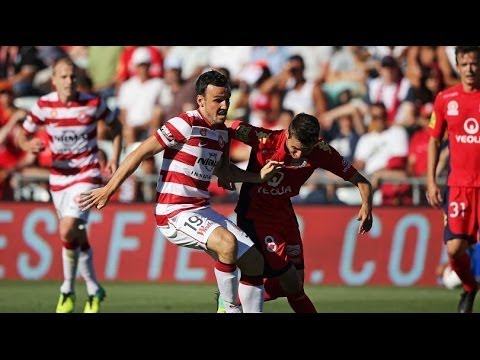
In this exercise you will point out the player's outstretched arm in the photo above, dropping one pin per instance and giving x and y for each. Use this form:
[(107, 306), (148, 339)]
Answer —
[(365, 213), (233, 174), (99, 197)]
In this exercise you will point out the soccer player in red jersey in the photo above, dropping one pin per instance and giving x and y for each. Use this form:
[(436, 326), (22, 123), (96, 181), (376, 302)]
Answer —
[(195, 146), (457, 112), (265, 212), (70, 118)]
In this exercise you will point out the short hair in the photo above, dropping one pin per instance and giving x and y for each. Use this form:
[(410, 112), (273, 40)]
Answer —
[(305, 128), (212, 77), (63, 59), (461, 50)]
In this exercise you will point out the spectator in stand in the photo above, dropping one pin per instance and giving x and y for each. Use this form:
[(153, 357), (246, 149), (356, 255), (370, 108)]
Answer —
[(21, 69), (126, 68), (138, 99), (102, 69), (12, 157), (382, 152)]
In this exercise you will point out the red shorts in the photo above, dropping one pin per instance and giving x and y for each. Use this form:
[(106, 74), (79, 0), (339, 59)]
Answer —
[(280, 245), (462, 213)]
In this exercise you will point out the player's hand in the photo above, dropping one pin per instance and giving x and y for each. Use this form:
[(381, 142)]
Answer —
[(96, 197), (35, 146), (226, 184), (366, 220), (110, 168), (434, 195), (270, 169)]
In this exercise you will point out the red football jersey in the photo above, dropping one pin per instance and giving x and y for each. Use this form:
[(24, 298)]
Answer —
[(271, 200), (458, 113)]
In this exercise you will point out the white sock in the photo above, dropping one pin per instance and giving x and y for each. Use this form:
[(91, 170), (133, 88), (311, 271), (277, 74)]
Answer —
[(251, 298), (69, 260), (85, 266), (228, 286)]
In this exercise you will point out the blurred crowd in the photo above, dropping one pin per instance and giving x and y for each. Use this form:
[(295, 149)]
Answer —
[(373, 104)]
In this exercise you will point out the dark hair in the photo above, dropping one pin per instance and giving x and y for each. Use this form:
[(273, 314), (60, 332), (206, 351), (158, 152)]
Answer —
[(212, 77), (305, 128), (460, 50), (298, 58)]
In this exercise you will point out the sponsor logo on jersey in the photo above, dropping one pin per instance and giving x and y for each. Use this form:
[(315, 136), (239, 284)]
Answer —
[(208, 163), (203, 132), (270, 243), (164, 130), (69, 138), (433, 120), (242, 133), (221, 141), (293, 250), (203, 229), (276, 179), (276, 191), (323, 145), (452, 108), (471, 127), (84, 118), (297, 164), (346, 165), (262, 137)]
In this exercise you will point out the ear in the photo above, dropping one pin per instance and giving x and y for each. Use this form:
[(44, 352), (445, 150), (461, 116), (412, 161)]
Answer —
[(200, 101)]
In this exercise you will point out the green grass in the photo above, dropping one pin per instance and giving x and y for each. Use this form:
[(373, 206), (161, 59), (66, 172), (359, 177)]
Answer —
[(42, 296)]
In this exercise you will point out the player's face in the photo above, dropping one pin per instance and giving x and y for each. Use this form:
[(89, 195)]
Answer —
[(214, 105), (64, 80), (296, 149), (468, 67)]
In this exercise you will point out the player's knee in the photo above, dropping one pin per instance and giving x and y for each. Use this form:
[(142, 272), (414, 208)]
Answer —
[(456, 248), (251, 262), (290, 281), (227, 249), (67, 233)]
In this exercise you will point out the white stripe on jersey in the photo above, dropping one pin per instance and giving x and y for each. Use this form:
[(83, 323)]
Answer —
[(61, 180), (63, 113), (75, 163), (169, 188), (29, 125), (169, 208), (210, 134), (204, 151), (181, 126)]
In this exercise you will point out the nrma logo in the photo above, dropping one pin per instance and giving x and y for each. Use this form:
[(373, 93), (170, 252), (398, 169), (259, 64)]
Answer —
[(208, 163), (69, 138)]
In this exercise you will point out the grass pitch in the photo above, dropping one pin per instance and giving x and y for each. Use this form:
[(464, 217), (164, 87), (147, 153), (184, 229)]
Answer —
[(42, 297)]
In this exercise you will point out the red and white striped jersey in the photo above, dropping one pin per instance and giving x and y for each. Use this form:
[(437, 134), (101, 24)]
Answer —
[(192, 149), (72, 133)]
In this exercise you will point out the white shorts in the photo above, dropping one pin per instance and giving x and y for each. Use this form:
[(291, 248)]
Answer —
[(66, 201), (192, 228)]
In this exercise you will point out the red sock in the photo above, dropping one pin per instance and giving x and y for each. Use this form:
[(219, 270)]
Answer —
[(301, 303), (273, 290), (461, 266)]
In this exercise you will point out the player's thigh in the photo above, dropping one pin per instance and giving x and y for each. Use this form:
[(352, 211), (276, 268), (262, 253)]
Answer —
[(66, 201), (460, 211), (193, 228)]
